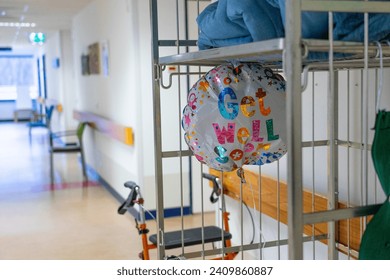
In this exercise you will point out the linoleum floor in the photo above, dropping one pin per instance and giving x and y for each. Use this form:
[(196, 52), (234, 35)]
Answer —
[(69, 220)]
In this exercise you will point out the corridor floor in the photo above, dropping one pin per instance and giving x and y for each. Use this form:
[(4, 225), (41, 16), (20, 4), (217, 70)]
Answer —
[(69, 220)]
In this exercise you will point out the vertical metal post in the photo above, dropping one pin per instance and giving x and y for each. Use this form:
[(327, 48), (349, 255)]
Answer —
[(260, 216), (157, 130), (333, 163), (179, 129), (332, 149), (348, 163), (365, 112), (293, 69), (313, 205), (186, 35), (241, 221)]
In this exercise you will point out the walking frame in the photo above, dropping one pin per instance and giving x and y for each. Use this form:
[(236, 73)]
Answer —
[(185, 237)]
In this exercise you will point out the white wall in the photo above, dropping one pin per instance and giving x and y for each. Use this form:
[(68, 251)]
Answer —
[(54, 76), (125, 96), (60, 85), (68, 76), (115, 97)]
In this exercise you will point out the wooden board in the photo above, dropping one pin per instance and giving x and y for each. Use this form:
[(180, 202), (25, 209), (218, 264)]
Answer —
[(271, 192)]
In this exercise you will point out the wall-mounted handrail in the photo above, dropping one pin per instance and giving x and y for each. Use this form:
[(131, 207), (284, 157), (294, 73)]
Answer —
[(119, 132)]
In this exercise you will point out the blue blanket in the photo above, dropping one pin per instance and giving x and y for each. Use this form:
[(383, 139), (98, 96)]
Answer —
[(314, 24), (347, 26), (350, 27), (232, 22)]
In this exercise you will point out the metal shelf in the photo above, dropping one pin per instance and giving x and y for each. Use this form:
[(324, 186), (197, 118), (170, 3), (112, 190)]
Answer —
[(269, 50), (270, 53)]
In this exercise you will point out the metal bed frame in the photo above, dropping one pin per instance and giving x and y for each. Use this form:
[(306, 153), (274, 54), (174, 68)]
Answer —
[(289, 55)]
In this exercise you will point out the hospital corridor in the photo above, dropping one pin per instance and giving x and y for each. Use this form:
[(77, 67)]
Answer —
[(69, 220)]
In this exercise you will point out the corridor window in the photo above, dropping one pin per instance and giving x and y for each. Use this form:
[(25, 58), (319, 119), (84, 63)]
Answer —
[(16, 72)]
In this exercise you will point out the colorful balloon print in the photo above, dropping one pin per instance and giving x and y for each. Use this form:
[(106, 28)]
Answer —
[(236, 116)]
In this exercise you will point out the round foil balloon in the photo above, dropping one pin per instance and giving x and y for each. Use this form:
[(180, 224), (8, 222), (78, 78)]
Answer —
[(236, 116)]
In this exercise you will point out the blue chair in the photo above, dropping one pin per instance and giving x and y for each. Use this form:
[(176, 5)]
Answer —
[(44, 122)]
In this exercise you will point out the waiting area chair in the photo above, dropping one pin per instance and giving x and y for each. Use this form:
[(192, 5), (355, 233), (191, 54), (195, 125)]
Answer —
[(63, 142), (43, 120)]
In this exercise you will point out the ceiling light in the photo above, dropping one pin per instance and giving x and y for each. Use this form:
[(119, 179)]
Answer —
[(17, 24)]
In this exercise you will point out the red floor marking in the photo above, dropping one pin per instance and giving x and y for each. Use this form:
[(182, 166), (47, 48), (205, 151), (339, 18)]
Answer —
[(74, 185)]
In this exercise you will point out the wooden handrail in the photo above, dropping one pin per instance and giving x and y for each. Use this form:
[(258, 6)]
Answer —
[(119, 132)]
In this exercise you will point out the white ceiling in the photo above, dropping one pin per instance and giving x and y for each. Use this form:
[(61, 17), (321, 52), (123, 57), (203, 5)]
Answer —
[(48, 15)]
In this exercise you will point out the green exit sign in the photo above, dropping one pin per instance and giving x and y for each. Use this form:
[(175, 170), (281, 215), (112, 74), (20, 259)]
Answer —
[(37, 38)]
